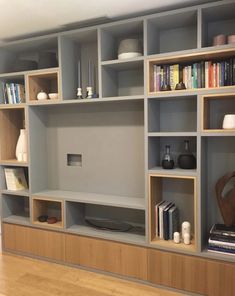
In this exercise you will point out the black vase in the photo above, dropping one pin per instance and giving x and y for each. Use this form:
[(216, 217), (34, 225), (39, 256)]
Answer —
[(187, 160)]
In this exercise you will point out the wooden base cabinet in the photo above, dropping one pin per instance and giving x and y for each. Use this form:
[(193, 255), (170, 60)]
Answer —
[(188, 273), (32, 241)]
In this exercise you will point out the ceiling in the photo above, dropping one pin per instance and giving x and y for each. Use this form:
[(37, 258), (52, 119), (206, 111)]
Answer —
[(22, 18)]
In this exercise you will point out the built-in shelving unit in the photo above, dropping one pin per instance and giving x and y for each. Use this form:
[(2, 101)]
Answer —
[(101, 158)]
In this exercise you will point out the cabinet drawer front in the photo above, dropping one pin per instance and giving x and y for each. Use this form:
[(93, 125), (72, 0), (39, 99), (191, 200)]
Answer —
[(48, 244), (108, 256)]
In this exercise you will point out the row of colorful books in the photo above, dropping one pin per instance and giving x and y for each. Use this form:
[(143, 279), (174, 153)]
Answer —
[(222, 239), (12, 93), (204, 74), (167, 220)]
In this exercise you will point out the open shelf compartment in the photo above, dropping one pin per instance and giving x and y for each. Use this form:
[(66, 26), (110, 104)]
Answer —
[(111, 36), (178, 114), (170, 32), (156, 150), (78, 45), (50, 208), (218, 159), (123, 79), (180, 190), (47, 81), (83, 130), (15, 209), (12, 120), (214, 108), (12, 89), (29, 54), (77, 215), (217, 20)]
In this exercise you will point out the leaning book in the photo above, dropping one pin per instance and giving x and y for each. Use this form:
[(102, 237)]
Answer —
[(15, 179)]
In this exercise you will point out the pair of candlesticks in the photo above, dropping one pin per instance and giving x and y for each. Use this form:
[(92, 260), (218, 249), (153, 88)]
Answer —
[(90, 89)]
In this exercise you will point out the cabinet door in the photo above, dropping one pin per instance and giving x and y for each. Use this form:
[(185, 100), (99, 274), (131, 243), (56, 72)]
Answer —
[(33, 241), (106, 255), (190, 273)]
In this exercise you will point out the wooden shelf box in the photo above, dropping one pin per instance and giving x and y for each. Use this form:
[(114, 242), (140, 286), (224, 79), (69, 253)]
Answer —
[(181, 190), (43, 80), (11, 121), (195, 61), (49, 207), (214, 108)]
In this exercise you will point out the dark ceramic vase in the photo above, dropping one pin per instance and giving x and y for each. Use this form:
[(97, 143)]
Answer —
[(187, 160)]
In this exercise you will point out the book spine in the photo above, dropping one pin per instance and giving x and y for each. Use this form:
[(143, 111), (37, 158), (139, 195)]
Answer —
[(172, 77), (221, 250), (154, 78), (233, 74), (206, 74), (222, 238), (165, 225), (176, 78)]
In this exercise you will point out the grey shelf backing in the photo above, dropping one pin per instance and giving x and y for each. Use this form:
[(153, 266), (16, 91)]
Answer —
[(94, 198)]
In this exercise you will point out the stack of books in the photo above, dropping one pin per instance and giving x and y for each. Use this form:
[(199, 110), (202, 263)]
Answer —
[(167, 220), (12, 93), (222, 239), (204, 74)]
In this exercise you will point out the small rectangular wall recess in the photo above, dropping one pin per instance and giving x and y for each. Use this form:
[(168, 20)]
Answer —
[(74, 160)]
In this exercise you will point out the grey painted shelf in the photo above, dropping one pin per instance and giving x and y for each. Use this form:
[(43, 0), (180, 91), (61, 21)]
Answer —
[(172, 134), (13, 192), (94, 198), (16, 219), (175, 171), (116, 236)]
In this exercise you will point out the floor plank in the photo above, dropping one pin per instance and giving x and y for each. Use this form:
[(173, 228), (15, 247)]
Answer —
[(20, 276)]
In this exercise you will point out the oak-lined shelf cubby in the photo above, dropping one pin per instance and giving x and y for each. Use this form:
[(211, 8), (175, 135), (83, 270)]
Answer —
[(12, 120), (214, 108), (181, 190), (47, 81), (49, 207)]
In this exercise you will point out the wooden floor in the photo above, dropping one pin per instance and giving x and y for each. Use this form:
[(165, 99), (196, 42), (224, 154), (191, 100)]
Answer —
[(20, 276)]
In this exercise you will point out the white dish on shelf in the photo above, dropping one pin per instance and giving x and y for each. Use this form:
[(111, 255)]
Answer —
[(128, 55), (229, 121), (53, 96)]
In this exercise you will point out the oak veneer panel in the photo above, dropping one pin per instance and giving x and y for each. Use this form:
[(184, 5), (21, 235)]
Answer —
[(193, 274), (108, 256), (33, 241)]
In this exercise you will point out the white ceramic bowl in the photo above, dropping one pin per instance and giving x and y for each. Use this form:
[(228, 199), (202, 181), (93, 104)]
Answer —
[(53, 96), (229, 121)]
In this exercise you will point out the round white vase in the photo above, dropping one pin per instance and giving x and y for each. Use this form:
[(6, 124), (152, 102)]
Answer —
[(21, 146)]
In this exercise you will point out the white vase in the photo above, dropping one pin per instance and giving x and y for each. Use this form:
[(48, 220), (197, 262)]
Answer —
[(21, 146)]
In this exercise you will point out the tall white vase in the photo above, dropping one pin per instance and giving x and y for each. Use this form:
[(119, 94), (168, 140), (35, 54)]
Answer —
[(21, 146)]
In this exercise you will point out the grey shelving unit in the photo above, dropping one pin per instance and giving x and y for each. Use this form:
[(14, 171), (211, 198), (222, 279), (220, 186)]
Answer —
[(97, 157)]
